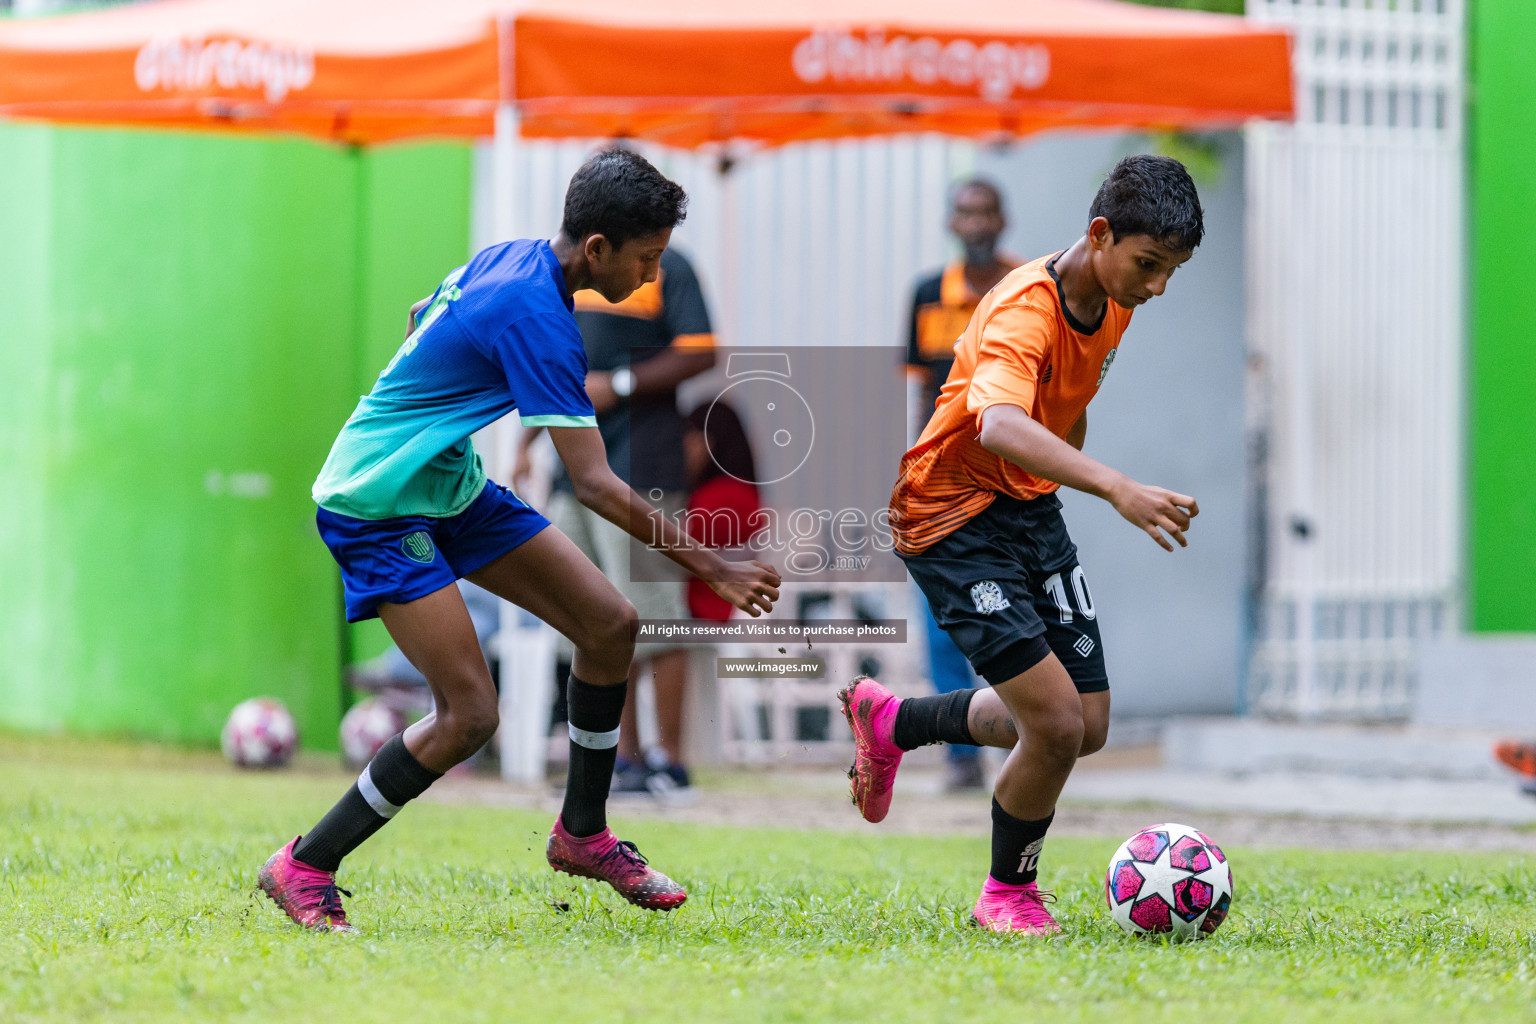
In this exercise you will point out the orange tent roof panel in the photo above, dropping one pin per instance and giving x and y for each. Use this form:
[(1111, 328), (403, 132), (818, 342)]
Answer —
[(685, 72)]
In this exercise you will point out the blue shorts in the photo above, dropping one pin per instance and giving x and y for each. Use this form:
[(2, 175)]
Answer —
[(398, 560)]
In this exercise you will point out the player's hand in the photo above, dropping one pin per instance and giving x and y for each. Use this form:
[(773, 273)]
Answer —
[(750, 586), (1155, 510), (600, 391)]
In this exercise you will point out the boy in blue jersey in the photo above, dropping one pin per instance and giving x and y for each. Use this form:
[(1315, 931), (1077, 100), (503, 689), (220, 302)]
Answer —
[(406, 510)]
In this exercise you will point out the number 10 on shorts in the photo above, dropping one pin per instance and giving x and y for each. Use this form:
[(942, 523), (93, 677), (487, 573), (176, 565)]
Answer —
[(1057, 589)]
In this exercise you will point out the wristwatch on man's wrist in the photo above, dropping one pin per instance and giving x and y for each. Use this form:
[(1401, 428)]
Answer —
[(622, 381)]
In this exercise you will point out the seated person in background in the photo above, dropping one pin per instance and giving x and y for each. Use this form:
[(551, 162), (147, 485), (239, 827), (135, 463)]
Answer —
[(720, 508)]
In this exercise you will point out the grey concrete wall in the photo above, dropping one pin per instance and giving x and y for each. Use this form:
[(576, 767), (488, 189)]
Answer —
[(1170, 413), (1246, 746), (1478, 681)]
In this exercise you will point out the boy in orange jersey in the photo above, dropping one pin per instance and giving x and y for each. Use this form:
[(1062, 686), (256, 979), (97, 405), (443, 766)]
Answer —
[(979, 525)]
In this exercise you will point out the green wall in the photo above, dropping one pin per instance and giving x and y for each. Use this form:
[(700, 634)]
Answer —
[(1502, 506), (189, 319)]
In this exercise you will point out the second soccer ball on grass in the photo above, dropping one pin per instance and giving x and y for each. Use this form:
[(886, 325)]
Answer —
[(259, 733), (367, 726)]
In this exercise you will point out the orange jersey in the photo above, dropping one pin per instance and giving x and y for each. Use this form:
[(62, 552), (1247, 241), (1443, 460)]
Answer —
[(1021, 347)]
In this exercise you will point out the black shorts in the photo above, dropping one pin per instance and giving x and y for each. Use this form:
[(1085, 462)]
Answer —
[(1008, 581)]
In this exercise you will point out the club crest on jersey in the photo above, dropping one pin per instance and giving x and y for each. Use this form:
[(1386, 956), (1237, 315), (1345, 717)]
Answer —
[(988, 597), (1108, 361)]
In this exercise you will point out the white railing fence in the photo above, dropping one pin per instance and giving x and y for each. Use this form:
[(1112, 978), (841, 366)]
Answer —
[(1355, 305)]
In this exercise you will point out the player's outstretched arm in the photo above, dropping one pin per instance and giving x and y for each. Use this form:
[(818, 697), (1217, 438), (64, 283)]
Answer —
[(1009, 432), (750, 586)]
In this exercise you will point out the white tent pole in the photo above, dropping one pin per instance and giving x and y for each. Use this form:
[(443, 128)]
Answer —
[(504, 174), (729, 236)]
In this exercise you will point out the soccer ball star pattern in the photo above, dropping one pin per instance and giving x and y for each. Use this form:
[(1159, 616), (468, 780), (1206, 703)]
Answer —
[(1169, 879)]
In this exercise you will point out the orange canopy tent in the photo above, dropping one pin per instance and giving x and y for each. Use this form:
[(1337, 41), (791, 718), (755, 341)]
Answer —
[(680, 72)]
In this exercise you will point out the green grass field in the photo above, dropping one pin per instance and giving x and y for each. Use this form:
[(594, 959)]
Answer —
[(127, 897)]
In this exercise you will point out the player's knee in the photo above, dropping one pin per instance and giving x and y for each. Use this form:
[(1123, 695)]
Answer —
[(609, 634), (610, 628), (472, 725), (1095, 735), (629, 622), (1058, 737), (618, 629)]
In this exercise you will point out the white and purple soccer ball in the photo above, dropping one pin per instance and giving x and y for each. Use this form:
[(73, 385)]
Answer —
[(366, 727), (260, 733), (1169, 880)]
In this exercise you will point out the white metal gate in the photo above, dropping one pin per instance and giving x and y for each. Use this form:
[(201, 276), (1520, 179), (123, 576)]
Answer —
[(1355, 263)]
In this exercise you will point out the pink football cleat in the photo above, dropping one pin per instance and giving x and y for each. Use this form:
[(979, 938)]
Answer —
[(871, 712), (308, 895), (621, 865), (1014, 908)]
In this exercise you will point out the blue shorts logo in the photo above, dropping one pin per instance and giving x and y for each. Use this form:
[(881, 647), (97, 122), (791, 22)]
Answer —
[(418, 547)]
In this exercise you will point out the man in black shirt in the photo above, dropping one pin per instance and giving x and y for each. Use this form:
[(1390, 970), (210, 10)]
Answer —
[(638, 352)]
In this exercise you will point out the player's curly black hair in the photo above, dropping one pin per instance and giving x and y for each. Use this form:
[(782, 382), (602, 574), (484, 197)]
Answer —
[(619, 195), (1151, 195)]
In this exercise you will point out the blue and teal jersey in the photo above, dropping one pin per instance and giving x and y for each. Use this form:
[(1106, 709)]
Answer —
[(499, 334)]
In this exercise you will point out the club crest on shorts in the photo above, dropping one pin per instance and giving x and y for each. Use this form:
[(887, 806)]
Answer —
[(418, 547), (988, 597)]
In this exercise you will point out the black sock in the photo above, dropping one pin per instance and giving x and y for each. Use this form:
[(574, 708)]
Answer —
[(392, 779), (1016, 846), (594, 713), (937, 719)]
